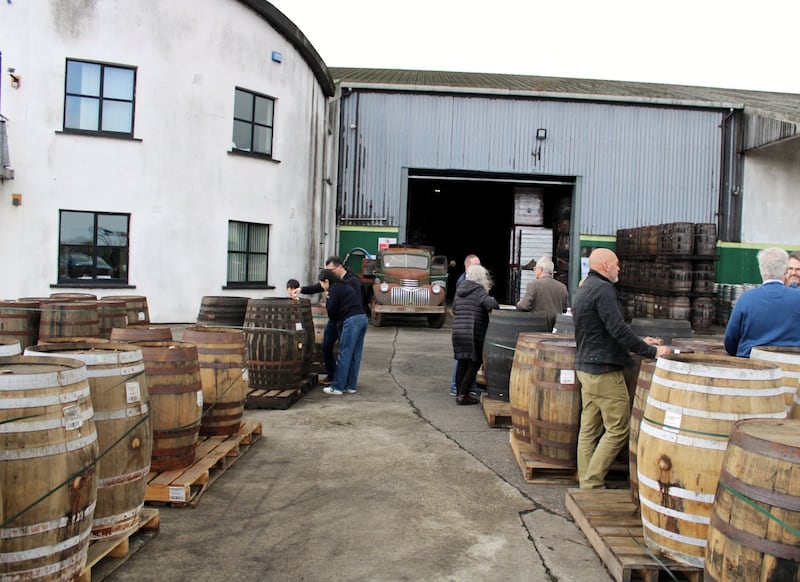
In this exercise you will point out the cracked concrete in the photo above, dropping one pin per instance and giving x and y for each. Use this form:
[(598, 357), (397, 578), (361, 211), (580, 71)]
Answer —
[(394, 483)]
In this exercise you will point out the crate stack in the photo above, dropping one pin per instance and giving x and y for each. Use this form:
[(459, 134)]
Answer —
[(667, 271)]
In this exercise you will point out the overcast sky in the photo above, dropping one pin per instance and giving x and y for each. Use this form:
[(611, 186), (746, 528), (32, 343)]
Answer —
[(715, 43)]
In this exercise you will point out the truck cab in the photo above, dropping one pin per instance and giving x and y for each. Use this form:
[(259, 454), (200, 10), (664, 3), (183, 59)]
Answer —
[(409, 281)]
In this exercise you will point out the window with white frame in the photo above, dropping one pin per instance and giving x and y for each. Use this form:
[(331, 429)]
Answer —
[(248, 253), (99, 98), (93, 246), (253, 117)]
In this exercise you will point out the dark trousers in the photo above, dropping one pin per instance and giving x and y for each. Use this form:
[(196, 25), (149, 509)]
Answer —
[(329, 336), (466, 372)]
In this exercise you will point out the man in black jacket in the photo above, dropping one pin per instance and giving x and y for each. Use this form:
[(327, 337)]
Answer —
[(331, 332), (604, 342)]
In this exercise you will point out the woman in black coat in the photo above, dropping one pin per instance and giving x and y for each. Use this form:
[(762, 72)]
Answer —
[(471, 308)]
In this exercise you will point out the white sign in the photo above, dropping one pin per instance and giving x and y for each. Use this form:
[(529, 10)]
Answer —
[(385, 241)]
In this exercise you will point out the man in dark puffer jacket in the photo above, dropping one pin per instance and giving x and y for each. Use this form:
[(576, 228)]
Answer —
[(471, 308)]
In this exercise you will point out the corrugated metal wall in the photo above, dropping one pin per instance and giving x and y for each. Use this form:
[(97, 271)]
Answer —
[(639, 165)]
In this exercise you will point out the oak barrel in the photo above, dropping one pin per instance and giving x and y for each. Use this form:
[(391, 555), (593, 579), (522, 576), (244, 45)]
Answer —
[(643, 380), (521, 383), (788, 359), (71, 319), (138, 310), (141, 332), (222, 310), (19, 321)]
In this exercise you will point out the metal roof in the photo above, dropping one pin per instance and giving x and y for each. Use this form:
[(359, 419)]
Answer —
[(779, 106)]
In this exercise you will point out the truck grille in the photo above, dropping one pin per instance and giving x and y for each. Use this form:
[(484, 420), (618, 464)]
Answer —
[(410, 296)]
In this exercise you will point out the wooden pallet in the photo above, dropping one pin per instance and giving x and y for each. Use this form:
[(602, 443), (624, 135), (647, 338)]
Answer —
[(280, 399), (105, 556), (497, 412), (613, 526), (183, 487), (537, 471)]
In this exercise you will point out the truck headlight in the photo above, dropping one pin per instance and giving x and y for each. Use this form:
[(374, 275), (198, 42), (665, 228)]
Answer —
[(384, 287), (436, 289)]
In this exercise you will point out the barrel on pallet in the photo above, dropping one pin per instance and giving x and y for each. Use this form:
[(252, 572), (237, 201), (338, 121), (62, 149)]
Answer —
[(19, 320), (702, 313), (48, 479), (221, 354), (498, 348), (521, 383), (676, 238), (693, 402), (141, 332), (69, 320), (788, 360), (9, 348), (222, 310), (112, 313), (554, 408), (138, 310), (643, 380), (276, 343), (172, 370), (755, 518), (705, 238), (124, 431)]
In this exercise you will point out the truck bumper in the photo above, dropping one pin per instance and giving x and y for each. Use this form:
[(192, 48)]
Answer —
[(409, 309)]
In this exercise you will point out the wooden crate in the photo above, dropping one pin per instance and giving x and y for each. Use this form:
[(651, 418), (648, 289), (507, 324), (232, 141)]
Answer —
[(105, 556), (497, 412), (183, 487), (613, 526), (280, 399)]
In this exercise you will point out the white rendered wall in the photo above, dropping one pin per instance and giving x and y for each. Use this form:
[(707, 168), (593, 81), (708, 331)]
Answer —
[(176, 178)]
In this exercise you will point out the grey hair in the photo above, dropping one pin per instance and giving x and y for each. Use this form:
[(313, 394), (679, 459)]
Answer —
[(546, 264), (480, 275), (772, 263)]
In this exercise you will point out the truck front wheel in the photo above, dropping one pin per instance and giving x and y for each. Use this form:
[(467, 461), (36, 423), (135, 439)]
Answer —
[(437, 321)]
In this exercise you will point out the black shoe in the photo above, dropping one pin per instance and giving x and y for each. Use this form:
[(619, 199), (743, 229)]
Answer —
[(327, 381), (466, 399)]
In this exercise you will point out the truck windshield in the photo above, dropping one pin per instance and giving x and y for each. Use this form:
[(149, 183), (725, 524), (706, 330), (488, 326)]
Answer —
[(405, 262)]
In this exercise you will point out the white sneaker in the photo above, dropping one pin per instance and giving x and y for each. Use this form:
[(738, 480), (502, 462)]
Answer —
[(350, 390), (332, 390)]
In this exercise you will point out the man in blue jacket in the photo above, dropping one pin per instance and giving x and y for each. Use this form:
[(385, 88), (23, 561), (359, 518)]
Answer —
[(766, 315), (604, 343)]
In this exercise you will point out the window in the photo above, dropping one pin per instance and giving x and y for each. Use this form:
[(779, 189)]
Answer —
[(93, 246), (99, 98), (248, 253), (252, 122)]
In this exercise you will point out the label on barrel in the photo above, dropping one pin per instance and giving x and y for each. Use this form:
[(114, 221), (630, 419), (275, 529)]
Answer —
[(177, 494), (72, 417), (298, 326), (567, 377), (142, 316), (245, 375), (200, 398), (672, 420), (132, 392)]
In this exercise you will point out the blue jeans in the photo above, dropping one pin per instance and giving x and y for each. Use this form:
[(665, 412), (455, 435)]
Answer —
[(329, 336), (453, 385), (351, 346)]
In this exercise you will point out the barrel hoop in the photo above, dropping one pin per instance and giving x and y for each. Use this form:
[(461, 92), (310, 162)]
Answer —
[(238, 348), (557, 386), (59, 449), (134, 370), (41, 401), (222, 405), (49, 570), (188, 368), (691, 541), (716, 390), (173, 389), (555, 444), (221, 365), (754, 542), (179, 431), (37, 528), (271, 364), (113, 519), (764, 447), (555, 425), (674, 491), (120, 413), (680, 515), (672, 435), (39, 381), (160, 454), (24, 425), (43, 551), (718, 372), (95, 358), (777, 357), (699, 413), (124, 479)]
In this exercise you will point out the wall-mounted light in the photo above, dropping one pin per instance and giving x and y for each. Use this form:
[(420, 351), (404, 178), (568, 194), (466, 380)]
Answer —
[(15, 77), (541, 135)]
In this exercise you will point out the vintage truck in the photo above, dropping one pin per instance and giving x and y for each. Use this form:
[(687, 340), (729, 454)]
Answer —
[(409, 281)]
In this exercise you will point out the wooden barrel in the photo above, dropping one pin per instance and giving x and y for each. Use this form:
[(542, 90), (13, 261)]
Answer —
[(666, 329), (221, 354), (498, 348), (755, 518), (677, 238), (276, 343), (112, 313), (141, 333), (124, 432), (73, 296), (564, 325), (645, 376), (788, 360), (308, 328), (521, 383), (693, 402), (19, 321), (700, 343), (9, 348), (172, 370), (703, 277), (48, 449), (138, 310), (554, 408), (702, 313), (705, 238), (679, 276), (69, 320), (222, 310)]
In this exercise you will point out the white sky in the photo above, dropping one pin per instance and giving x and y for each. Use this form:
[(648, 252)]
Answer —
[(715, 43)]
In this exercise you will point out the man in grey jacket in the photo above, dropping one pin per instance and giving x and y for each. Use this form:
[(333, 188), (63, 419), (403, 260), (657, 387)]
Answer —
[(604, 342), (544, 294)]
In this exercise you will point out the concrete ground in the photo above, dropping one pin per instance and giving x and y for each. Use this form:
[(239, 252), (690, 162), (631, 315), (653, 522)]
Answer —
[(394, 483)]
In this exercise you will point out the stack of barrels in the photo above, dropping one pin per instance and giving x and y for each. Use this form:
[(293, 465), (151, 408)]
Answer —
[(668, 271)]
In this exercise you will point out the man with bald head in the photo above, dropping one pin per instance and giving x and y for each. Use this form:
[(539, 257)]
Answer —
[(604, 345)]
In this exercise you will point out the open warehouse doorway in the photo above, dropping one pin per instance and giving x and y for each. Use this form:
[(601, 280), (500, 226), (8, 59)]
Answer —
[(507, 220)]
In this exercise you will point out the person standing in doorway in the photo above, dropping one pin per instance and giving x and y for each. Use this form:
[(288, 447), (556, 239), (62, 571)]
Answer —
[(544, 294), (469, 260), (471, 307), (604, 342)]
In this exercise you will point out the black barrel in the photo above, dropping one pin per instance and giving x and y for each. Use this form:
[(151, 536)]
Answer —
[(223, 311), (501, 340), (666, 329)]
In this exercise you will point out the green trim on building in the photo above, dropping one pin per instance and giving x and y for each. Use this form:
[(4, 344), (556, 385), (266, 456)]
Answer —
[(364, 237)]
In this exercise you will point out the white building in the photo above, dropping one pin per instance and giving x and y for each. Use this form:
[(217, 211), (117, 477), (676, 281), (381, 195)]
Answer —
[(166, 149)]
